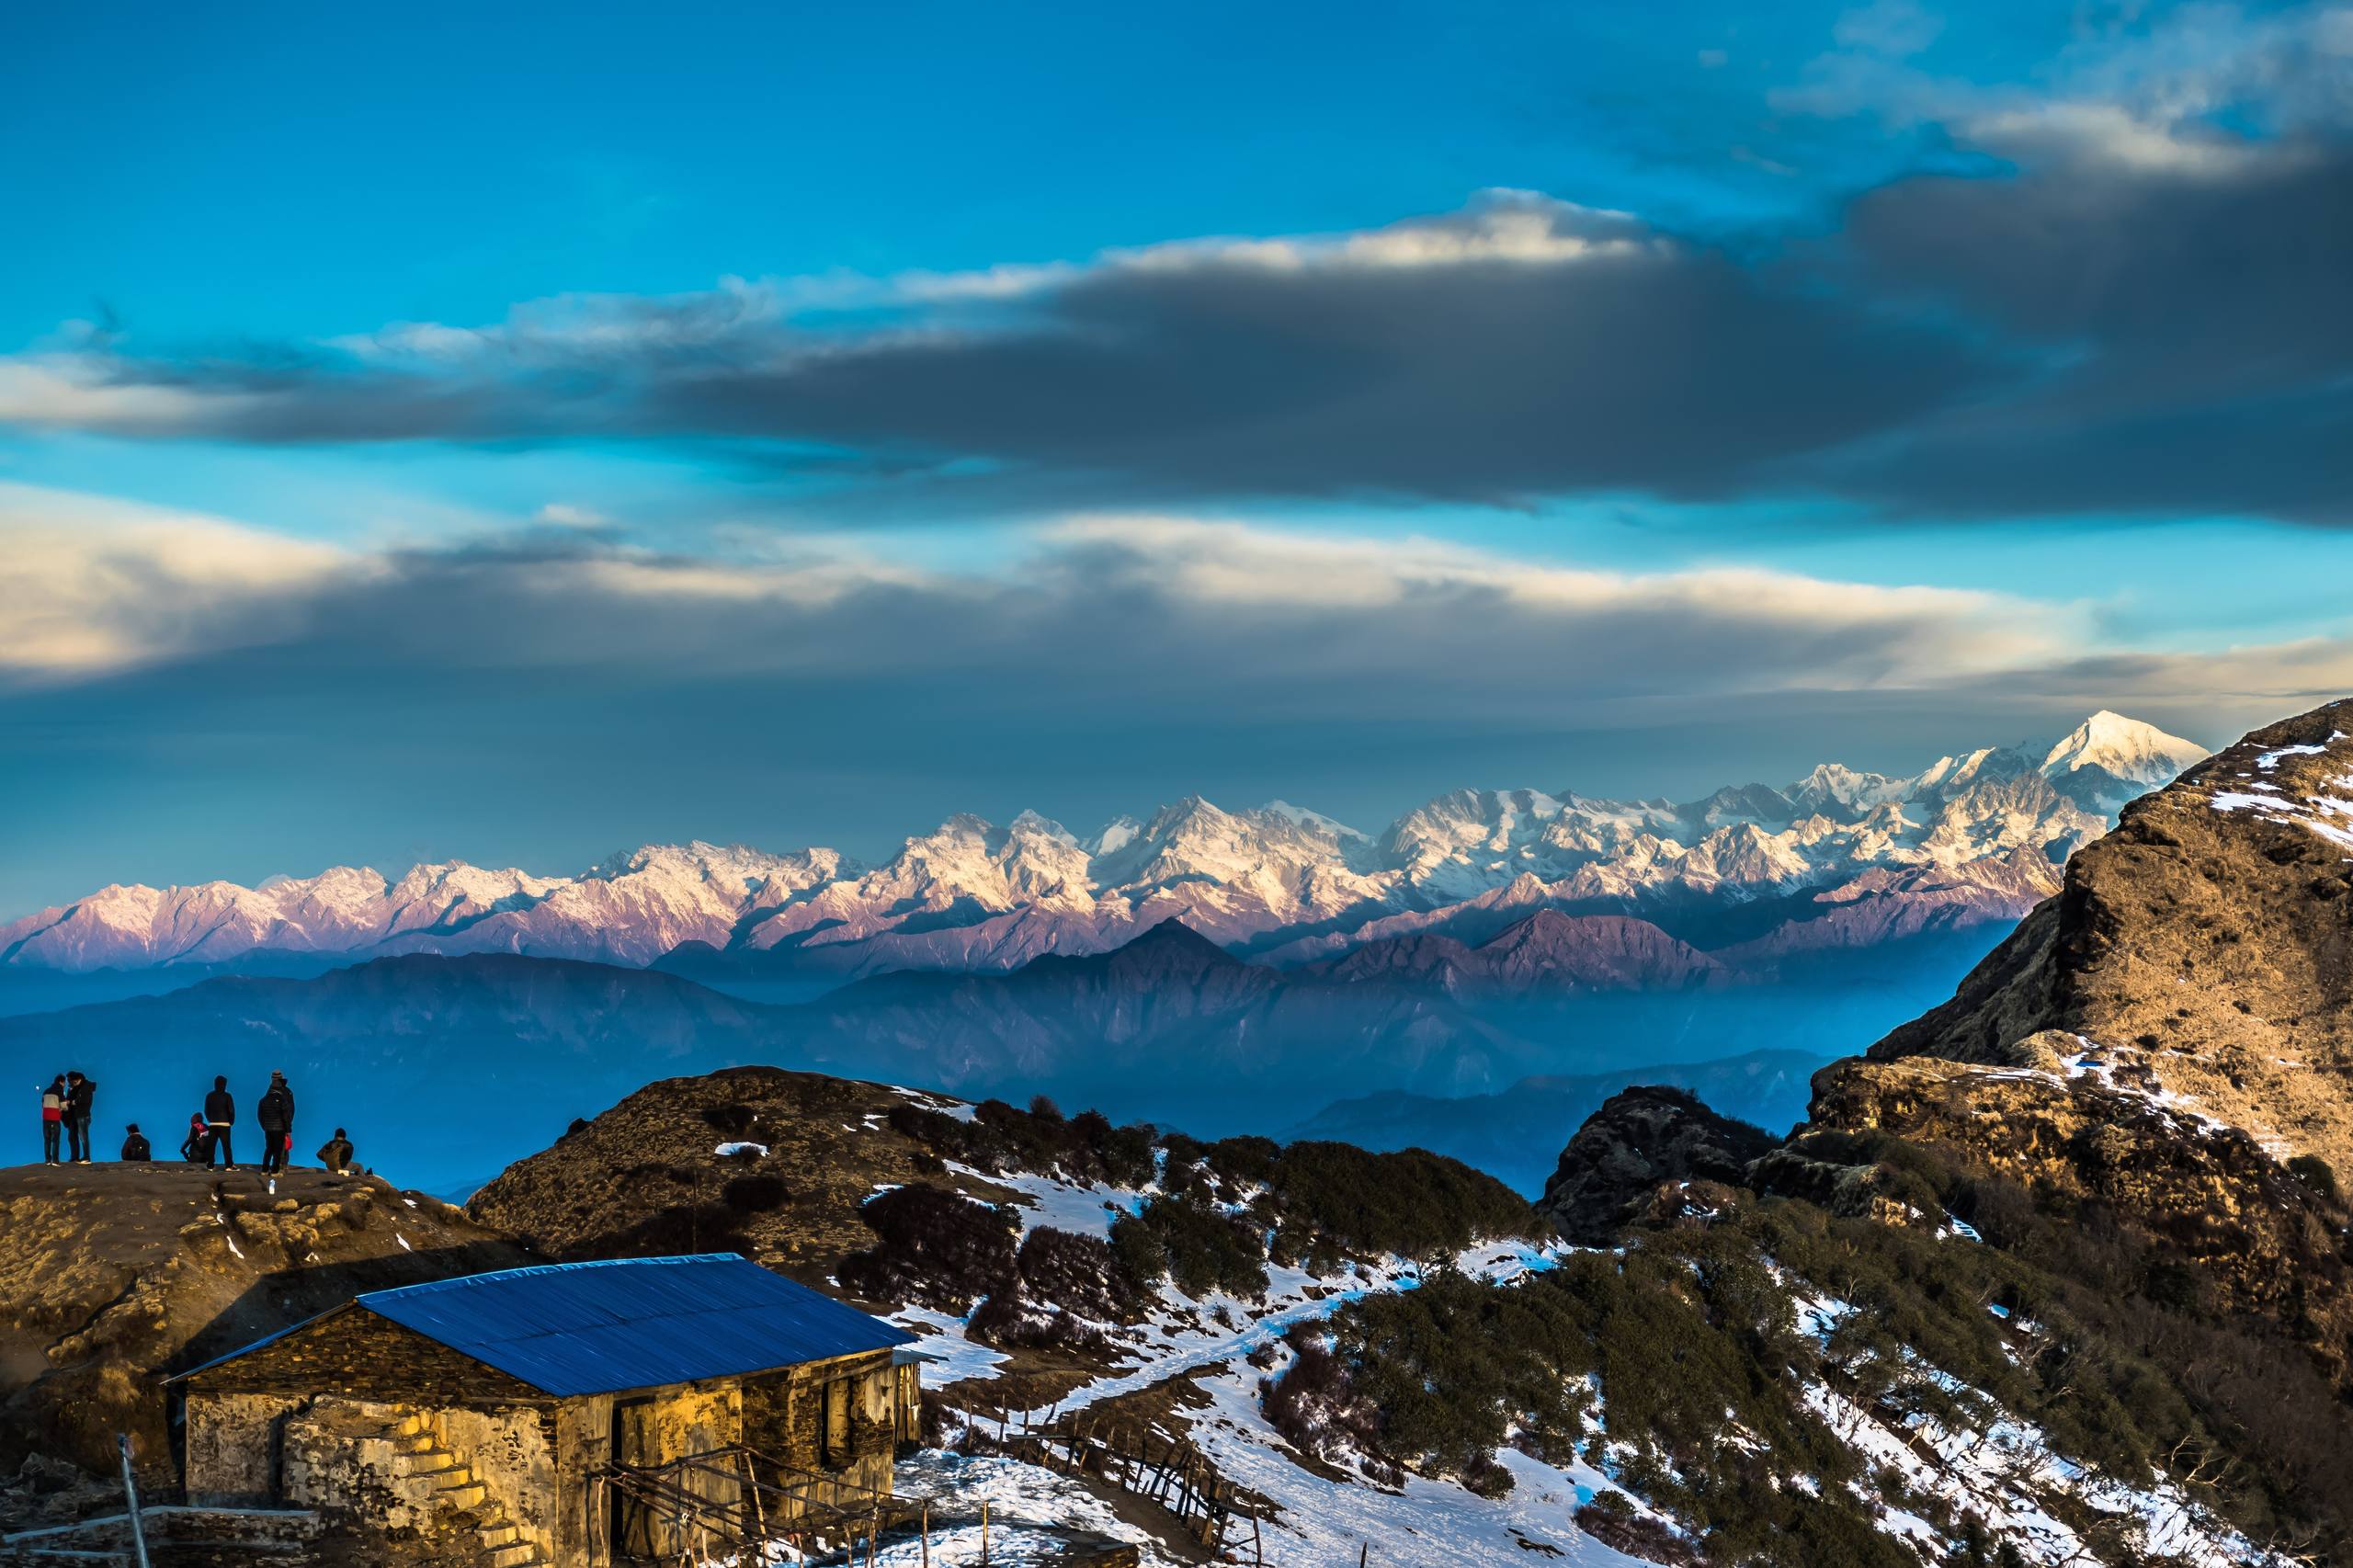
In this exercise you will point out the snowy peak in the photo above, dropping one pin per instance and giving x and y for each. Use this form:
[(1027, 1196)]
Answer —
[(2127, 748), (1839, 791), (1314, 822)]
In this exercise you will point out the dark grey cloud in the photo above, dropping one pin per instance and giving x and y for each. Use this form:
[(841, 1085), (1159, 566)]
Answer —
[(2126, 319), (1522, 348), (2194, 315), (1661, 367)]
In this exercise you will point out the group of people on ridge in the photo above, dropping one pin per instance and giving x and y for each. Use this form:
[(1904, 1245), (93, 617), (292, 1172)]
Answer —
[(65, 1106)]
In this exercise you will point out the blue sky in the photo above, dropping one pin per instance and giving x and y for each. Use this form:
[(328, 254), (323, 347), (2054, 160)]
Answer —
[(791, 424)]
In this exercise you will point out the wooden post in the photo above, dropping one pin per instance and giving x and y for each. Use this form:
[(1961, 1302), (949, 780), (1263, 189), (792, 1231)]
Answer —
[(927, 1533), (985, 1535), (131, 1501), (1360, 1553)]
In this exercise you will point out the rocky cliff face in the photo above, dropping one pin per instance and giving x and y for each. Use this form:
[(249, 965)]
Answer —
[(2210, 936), (2088, 1136)]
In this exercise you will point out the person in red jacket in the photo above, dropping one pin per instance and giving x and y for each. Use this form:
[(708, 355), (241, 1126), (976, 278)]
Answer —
[(53, 1118)]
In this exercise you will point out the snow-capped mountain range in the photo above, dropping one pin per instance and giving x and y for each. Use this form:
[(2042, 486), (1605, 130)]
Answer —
[(1836, 858)]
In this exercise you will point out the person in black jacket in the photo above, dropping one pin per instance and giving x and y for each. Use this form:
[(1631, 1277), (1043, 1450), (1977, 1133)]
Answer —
[(275, 1115), (197, 1147), (134, 1144), (80, 1092), (220, 1115)]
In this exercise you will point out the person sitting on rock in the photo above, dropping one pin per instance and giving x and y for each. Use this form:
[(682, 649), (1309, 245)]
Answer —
[(53, 1118), (197, 1147), (335, 1152), (134, 1144)]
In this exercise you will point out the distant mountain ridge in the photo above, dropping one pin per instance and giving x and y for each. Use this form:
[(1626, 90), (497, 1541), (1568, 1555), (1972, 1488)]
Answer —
[(1857, 857)]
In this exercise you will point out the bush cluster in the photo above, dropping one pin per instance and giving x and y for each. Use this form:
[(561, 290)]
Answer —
[(934, 1247), (1000, 1137), (1185, 1240)]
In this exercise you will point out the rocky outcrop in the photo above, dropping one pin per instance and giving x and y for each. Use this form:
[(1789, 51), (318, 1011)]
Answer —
[(756, 1160), (1639, 1141), (2211, 933), (111, 1274), (2084, 1134)]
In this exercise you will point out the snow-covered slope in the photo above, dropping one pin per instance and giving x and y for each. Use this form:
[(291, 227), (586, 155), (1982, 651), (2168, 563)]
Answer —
[(1275, 880)]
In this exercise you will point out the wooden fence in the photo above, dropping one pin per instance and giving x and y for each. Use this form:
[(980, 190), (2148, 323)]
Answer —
[(1130, 1455)]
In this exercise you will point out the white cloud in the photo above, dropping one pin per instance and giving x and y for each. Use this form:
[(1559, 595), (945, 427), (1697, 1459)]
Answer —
[(74, 391), (2180, 95), (2112, 136), (1805, 630), (89, 584)]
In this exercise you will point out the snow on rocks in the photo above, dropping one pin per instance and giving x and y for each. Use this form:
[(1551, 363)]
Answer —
[(1184, 1334), (2006, 1475), (2327, 811), (963, 1110), (1087, 1210), (1323, 1522), (757, 1150)]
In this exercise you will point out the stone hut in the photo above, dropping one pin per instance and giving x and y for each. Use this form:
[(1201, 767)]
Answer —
[(508, 1410)]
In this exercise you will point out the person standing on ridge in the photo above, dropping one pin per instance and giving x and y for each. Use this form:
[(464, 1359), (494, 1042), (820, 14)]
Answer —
[(80, 1092), (220, 1115), (135, 1145), (275, 1115), (335, 1152), (52, 1117)]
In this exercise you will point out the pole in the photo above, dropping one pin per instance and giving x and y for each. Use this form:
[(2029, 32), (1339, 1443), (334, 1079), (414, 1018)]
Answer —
[(927, 1533), (984, 1535), (130, 1502)]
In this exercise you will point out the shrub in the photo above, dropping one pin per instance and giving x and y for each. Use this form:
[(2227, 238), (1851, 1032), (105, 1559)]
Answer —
[(1319, 1411), (1193, 1244), (1077, 1272), (1086, 1147), (934, 1247), (730, 1120), (2315, 1173), (754, 1193), (1611, 1520), (1412, 1202)]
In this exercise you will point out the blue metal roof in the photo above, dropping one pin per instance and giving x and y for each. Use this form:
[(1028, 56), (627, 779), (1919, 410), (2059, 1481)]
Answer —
[(634, 1323), (631, 1322)]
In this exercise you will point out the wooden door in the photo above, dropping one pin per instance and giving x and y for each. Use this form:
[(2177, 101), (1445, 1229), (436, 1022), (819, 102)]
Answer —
[(638, 1530)]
